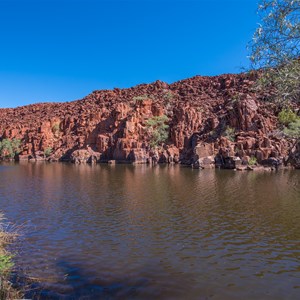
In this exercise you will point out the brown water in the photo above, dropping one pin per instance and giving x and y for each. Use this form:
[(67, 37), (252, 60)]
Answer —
[(136, 232)]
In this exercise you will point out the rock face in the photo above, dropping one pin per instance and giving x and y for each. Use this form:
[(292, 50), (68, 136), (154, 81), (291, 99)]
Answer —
[(212, 120)]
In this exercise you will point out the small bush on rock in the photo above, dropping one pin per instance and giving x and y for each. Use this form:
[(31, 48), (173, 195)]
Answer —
[(48, 151), (140, 98), (287, 116), (252, 161), (293, 129), (55, 128), (158, 130), (229, 133), (10, 148)]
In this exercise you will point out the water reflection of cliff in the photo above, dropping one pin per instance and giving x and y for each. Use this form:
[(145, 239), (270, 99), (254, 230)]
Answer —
[(222, 230)]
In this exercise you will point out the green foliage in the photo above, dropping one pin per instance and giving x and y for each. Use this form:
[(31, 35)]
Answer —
[(229, 133), (158, 130), (9, 148), (55, 128), (156, 121), (235, 98), (168, 96), (141, 98), (283, 80), (252, 161), (16, 143), (291, 122), (48, 151), (276, 40), (5, 263), (293, 129), (276, 49), (287, 116), (6, 148)]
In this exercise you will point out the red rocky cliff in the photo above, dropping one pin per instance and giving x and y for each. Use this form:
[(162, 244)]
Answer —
[(212, 120)]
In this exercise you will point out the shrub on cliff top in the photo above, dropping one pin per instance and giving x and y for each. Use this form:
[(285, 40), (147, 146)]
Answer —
[(141, 98)]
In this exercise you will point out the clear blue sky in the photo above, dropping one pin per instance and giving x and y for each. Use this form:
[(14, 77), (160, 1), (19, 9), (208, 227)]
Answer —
[(63, 50)]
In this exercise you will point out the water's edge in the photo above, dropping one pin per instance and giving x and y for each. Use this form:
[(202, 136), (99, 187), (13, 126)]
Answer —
[(164, 232)]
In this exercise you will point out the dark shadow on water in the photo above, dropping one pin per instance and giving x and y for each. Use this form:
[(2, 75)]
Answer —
[(79, 284)]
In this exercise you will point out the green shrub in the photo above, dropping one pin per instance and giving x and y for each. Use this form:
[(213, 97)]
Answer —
[(287, 116), (5, 263), (140, 98), (235, 98), (252, 161), (293, 129), (158, 130), (229, 133), (48, 151), (16, 143), (55, 128), (10, 148), (168, 96), (7, 291)]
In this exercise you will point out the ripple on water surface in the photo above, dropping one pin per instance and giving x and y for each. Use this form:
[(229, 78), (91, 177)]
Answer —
[(136, 232)]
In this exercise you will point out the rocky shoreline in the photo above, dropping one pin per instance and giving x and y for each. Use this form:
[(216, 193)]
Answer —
[(210, 122), (235, 165)]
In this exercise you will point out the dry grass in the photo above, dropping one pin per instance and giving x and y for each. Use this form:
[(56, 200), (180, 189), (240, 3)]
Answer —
[(7, 236)]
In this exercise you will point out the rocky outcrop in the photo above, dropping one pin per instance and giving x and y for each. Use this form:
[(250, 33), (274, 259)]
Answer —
[(212, 121), (294, 156)]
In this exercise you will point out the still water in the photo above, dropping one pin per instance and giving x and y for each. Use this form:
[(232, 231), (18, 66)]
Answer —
[(163, 232)]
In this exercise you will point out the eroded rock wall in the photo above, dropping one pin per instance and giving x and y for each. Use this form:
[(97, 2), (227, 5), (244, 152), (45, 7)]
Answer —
[(211, 120)]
